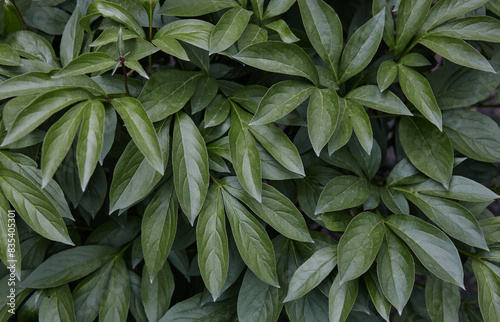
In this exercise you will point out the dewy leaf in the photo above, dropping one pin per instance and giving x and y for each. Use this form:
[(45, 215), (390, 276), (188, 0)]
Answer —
[(359, 245), (488, 285), (59, 139), (211, 236), (69, 265), (457, 51), (312, 272), (429, 150), (361, 47), (281, 99), (395, 271), (57, 305), (158, 228), (116, 298), (244, 154), (141, 129), (35, 208), (386, 74), (371, 96), (442, 300), (192, 8), (343, 192), (471, 28), (87, 63), (8, 57), (229, 29), (341, 299), (322, 117), (278, 57), (411, 13), (324, 30), (72, 38), (190, 165), (253, 243), (156, 294), (418, 91), (473, 134), (431, 246)]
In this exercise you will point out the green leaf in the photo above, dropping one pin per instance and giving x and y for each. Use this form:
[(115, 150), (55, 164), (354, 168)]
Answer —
[(36, 209), (312, 306), (341, 299), (87, 63), (72, 38), (312, 272), (217, 111), (442, 300), (414, 60), (192, 8), (418, 91), (206, 90), (283, 30), (171, 46), (191, 310), (371, 96), (8, 56), (251, 35), (360, 122), (394, 200), (244, 154), (324, 31), (470, 28), (136, 305), (473, 134), (343, 192), (281, 99), (277, 7), (457, 51), (116, 297), (190, 165), (279, 146), (12, 20), (381, 304), (490, 229), (57, 305), (141, 130), (361, 47), (278, 57), (156, 294), (229, 29), (359, 245), (395, 271), (69, 265), (411, 14), (343, 130), (158, 229), (322, 117), (488, 284), (431, 246), (166, 92), (90, 140), (59, 139), (193, 31), (386, 74), (211, 236), (428, 149), (253, 243), (32, 46), (451, 217)]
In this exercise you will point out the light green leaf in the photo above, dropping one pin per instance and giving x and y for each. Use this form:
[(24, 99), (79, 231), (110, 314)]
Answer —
[(190, 165), (488, 284), (192, 8), (414, 60), (8, 57), (322, 117), (457, 51), (431, 246), (359, 245), (312, 272), (116, 297), (371, 96), (229, 29), (69, 265), (193, 31), (428, 149), (156, 294), (395, 271), (418, 91), (386, 74), (217, 111), (141, 130), (278, 57), (442, 300), (470, 28), (211, 235), (343, 192), (253, 243), (72, 38), (361, 47), (341, 299), (411, 14), (281, 27), (87, 63), (57, 305), (158, 229)]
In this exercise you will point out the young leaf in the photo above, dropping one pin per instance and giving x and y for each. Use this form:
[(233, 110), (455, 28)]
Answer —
[(343, 192), (411, 13), (156, 294), (87, 63), (57, 305), (211, 235), (442, 300), (116, 297), (324, 31), (341, 299), (488, 284), (361, 47), (141, 130), (371, 96), (190, 165), (428, 149), (431, 246), (158, 229), (229, 29), (359, 245), (386, 74)]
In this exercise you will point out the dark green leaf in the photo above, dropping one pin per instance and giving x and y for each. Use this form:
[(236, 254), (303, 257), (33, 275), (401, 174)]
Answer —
[(470, 28), (322, 117), (341, 299), (411, 14), (191, 310), (386, 74), (72, 38), (229, 28), (360, 122), (191, 8), (448, 9), (343, 192), (283, 30), (217, 111), (156, 294), (193, 31), (8, 56), (312, 306), (87, 63), (488, 284), (414, 60), (57, 305), (116, 297), (378, 299), (442, 300), (371, 96)]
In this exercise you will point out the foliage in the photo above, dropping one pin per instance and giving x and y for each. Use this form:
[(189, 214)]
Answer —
[(232, 159)]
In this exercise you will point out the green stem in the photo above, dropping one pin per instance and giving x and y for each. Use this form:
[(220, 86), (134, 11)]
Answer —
[(468, 254)]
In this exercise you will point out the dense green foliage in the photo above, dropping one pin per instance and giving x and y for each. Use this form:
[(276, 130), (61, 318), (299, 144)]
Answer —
[(187, 160)]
